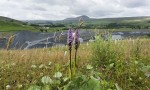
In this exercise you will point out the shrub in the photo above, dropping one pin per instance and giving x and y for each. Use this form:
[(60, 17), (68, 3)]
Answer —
[(103, 53)]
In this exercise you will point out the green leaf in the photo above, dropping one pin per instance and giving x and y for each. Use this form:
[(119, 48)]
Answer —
[(117, 86), (89, 67), (58, 75), (46, 80), (145, 69), (46, 87), (34, 87), (92, 84), (111, 65)]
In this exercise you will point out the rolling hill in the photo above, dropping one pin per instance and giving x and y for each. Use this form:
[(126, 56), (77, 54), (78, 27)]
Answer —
[(142, 22), (8, 24)]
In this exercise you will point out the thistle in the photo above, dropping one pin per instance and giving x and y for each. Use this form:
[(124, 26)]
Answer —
[(69, 42), (77, 43)]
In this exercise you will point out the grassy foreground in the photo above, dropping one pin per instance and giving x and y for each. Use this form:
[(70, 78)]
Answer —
[(109, 65)]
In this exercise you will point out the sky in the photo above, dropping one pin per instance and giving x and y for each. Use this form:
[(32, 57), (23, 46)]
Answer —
[(61, 9)]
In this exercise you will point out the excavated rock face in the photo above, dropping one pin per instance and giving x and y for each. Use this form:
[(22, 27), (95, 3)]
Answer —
[(3, 42), (28, 39)]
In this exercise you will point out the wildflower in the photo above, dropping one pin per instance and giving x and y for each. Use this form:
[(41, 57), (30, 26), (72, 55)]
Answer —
[(41, 66), (8, 87), (33, 66), (70, 38), (87, 44), (49, 63), (77, 42), (115, 41), (13, 64), (19, 85), (65, 53), (69, 42)]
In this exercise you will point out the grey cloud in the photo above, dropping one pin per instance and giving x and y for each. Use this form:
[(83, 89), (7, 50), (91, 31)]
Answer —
[(61, 9), (135, 3), (54, 2), (33, 7)]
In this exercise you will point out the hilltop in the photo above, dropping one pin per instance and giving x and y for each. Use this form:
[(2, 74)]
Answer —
[(84, 17)]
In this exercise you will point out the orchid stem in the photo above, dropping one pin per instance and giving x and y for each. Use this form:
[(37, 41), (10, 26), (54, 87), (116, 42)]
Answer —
[(76, 58), (70, 64)]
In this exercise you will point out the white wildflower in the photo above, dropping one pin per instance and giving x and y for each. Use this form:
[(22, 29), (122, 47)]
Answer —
[(49, 63), (87, 44), (65, 53), (33, 66), (13, 64), (8, 87), (41, 66), (19, 85)]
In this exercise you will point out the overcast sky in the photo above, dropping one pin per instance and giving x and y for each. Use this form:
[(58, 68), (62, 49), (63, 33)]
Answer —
[(61, 9)]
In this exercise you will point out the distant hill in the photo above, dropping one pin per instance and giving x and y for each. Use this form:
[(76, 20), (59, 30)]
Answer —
[(84, 17), (142, 22), (8, 24), (108, 20)]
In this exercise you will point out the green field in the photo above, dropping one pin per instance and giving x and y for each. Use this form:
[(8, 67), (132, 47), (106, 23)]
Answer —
[(8, 25)]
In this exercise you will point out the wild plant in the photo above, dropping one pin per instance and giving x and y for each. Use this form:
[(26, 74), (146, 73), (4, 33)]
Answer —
[(77, 43), (70, 41)]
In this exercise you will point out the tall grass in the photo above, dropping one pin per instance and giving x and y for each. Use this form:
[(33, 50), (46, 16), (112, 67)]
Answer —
[(123, 64)]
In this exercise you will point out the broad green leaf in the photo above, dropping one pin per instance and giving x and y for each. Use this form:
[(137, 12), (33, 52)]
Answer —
[(34, 87), (46, 80), (117, 86), (89, 67), (58, 75)]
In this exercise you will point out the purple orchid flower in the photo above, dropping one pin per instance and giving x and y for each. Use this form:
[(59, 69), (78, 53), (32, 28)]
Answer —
[(70, 38), (77, 42)]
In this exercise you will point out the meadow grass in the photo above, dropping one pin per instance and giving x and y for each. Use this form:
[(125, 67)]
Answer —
[(121, 64)]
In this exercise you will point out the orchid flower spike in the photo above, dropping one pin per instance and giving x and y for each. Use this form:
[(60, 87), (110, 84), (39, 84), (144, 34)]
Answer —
[(70, 38), (77, 42)]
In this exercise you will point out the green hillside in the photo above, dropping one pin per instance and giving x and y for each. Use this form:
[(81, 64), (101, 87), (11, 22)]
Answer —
[(123, 23), (7, 24), (111, 23)]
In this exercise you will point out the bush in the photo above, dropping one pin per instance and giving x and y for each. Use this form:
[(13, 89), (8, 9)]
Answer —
[(103, 53)]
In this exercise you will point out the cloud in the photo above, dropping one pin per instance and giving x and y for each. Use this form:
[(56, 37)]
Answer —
[(135, 3), (61, 9)]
